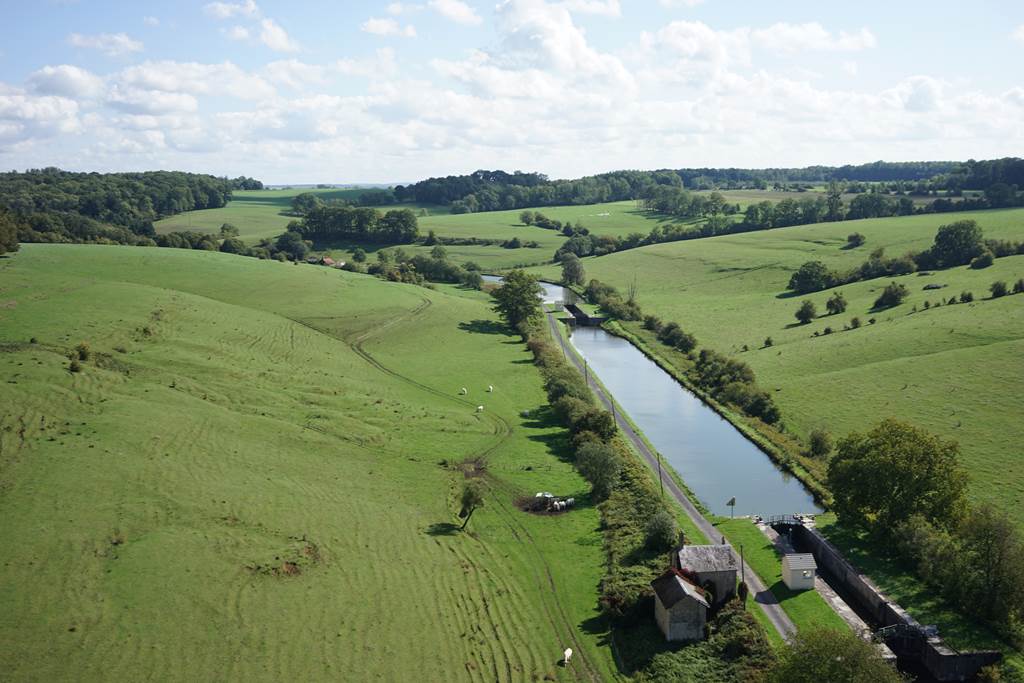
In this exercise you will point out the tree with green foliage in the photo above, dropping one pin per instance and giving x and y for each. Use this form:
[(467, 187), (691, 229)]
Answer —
[(966, 297), (517, 301), (228, 230), (8, 233), (600, 465), (439, 253), (359, 255), (983, 260), (812, 276), (855, 239), (807, 312), (836, 304), (1018, 286), (232, 245), (894, 471), (572, 270), (292, 245), (662, 530), (892, 295), (820, 443), (472, 498), (998, 289), (818, 655), (305, 203), (834, 201), (956, 244), (527, 217)]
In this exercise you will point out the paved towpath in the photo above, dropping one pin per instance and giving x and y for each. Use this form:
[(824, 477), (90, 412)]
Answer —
[(778, 618)]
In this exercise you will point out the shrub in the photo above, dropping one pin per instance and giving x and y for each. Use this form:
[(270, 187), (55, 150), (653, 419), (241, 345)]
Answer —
[(952, 300), (820, 443), (33, 340), (768, 341), (75, 366), (652, 323), (812, 276), (872, 321), (82, 351), (827, 330), (359, 255), (855, 239), (966, 297), (1018, 286), (998, 289), (893, 295), (855, 322), (983, 260), (661, 532), (807, 312)]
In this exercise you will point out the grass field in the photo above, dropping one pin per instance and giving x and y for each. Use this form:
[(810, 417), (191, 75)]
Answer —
[(245, 479), (955, 369)]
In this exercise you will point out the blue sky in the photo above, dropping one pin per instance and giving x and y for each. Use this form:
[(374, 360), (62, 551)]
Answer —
[(393, 92)]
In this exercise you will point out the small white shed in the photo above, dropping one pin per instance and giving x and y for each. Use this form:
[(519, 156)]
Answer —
[(798, 570)]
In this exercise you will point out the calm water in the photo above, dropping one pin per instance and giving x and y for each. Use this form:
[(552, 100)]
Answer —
[(714, 459)]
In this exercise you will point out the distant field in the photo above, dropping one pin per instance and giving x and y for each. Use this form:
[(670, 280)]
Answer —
[(955, 370), (245, 481)]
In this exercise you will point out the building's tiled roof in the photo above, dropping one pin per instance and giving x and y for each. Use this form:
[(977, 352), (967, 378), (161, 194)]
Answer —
[(671, 587), (800, 561), (707, 558)]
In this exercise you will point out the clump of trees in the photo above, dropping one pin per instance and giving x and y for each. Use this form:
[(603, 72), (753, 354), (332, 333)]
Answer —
[(517, 300), (612, 302), (8, 233), (360, 224), (572, 270), (806, 312), (893, 295), (855, 239), (816, 655)]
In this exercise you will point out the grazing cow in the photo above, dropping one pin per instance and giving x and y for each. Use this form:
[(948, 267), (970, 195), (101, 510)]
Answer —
[(567, 655)]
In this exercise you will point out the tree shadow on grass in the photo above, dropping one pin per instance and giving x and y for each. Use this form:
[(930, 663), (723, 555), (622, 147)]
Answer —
[(484, 327), (790, 294), (442, 529)]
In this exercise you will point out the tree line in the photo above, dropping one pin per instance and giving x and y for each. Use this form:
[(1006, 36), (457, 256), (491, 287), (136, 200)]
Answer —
[(497, 190), (956, 244), (360, 224)]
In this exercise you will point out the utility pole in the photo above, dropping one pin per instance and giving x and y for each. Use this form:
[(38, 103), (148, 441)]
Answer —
[(661, 481)]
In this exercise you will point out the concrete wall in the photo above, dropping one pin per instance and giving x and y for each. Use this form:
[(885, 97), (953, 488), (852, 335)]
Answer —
[(942, 663), (724, 582)]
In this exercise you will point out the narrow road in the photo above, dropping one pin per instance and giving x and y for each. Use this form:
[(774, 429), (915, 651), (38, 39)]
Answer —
[(778, 618)]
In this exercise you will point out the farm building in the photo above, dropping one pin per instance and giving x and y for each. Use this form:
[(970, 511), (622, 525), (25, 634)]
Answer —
[(798, 570), (679, 607), (715, 567)]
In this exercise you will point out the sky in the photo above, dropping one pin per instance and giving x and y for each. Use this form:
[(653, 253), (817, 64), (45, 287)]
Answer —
[(383, 92)]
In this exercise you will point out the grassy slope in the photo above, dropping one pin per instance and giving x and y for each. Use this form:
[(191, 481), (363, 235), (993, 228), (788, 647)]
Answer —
[(245, 431), (954, 370)]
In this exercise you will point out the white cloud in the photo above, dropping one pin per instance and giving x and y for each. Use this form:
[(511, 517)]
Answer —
[(66, 80), (1018, 35), (276, 38), (229, 10), (920, 93), (111, 44), (196, 79), (680, 3), (850, 68), (458, 11), (608, 8), (295, 74), (387, 27), (135, 101), (24, 118), (150, 21), (397, 8), (236, 33), (785, 37), (381, 65)]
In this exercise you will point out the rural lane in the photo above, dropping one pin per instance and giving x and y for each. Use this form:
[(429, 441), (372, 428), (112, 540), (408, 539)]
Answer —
[(778, 618)]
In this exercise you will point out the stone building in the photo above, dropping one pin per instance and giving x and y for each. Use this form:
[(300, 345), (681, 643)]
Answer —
[(679, 607), (715, 567)]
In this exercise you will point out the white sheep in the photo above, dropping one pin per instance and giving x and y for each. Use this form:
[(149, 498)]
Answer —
[(463, 391), (479, 409), (567, 655), (490, 388), (570, 502)]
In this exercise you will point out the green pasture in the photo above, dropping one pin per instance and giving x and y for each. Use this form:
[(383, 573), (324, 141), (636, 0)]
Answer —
[(255, 476), (954, 369)]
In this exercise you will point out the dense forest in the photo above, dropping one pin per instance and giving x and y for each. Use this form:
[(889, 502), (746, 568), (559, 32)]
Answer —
[(498, 190), (53, 205)]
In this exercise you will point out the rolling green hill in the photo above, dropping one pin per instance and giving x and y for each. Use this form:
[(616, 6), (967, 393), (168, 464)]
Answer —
[(954, 369), (255, 475)]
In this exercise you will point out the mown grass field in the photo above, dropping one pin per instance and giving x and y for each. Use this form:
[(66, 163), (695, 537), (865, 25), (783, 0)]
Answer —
[(245, 479), (954, 370)]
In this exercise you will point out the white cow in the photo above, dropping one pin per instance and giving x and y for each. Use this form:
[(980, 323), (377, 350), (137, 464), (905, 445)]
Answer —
[(479, 409), (567, 655)]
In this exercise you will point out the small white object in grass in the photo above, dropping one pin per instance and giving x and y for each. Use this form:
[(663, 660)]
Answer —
[(490, 388), (463, 391), (479, 409), (568, 655)]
